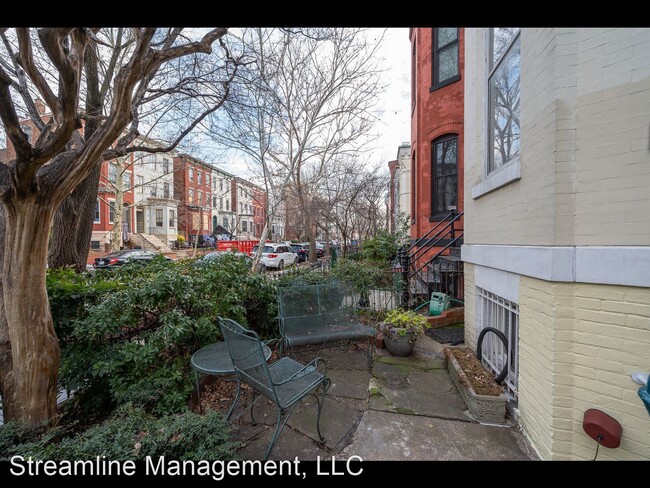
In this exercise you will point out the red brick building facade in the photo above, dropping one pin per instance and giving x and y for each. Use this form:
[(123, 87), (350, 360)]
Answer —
[(105, 205), (259, 211), (193, 190), (437, 105)]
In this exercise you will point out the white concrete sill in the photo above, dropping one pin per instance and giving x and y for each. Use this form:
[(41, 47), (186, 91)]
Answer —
[(502, 177)]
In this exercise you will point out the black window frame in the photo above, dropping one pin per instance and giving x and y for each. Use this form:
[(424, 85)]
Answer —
[(414, 206), (435, 60), (98, 213), (414, 74), (437, 216)]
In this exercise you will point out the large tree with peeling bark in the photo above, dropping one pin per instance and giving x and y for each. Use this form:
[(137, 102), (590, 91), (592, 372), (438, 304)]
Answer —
[(49, 64)]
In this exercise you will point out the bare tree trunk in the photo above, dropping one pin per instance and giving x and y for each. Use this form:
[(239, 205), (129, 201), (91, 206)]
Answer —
[(73, 221), (73, 225), (5, 345), (311, 233), (34, 346), (327, 238), (258, 255), (116, 237), (198, 231)]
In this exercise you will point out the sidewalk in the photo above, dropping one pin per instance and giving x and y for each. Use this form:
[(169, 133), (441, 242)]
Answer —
[(407, 409)]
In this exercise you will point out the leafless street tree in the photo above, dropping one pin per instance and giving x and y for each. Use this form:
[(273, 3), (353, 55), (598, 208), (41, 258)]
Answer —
[(305, 101)]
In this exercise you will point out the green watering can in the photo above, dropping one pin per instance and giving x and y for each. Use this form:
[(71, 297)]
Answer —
[(438, 303)]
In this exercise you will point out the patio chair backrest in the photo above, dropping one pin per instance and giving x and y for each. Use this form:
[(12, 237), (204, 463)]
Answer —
[(325, 303), (247, 354)]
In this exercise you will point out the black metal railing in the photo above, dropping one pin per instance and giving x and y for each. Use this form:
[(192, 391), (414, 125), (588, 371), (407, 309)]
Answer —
[(440, 272)]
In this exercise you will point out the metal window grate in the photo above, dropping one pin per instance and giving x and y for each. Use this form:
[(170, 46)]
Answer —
[(495, 311)]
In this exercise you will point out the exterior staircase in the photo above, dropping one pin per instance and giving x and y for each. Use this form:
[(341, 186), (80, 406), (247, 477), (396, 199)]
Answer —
[(150, 242), (442, 271)]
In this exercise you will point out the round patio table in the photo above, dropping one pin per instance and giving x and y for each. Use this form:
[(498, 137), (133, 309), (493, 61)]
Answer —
[(215, 360)]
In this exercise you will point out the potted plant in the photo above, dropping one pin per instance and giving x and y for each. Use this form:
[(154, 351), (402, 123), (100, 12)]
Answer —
[(401, 329), (180, 240)]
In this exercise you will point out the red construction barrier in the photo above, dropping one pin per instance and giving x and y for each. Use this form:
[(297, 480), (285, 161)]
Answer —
[(242, 246)]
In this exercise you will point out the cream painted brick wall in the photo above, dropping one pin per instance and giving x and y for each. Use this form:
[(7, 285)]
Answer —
[(585, 141), (536, 364), (470, 307), (577, 348), (521, 212)]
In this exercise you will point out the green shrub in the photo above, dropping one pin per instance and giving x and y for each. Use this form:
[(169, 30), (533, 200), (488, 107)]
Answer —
[(130, 433), (363, 274), (15, 434), (382, 247), (127, 334)]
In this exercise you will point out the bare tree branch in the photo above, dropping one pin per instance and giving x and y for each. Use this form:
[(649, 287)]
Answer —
[(10, 120), (26, 61), (21, 85)]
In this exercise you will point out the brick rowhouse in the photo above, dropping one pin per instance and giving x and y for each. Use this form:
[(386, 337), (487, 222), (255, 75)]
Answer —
[(192, 187), (436, 119), (104, 207), (259, 211)]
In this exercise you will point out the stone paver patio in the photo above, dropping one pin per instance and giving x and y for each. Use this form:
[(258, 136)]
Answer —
[(406, 409)]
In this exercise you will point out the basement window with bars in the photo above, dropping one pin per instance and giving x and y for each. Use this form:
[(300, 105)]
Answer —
[(503, 315)]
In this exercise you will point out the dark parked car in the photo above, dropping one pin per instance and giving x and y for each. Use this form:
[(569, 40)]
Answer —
[(320, 251), (300, 251), (120, 258)]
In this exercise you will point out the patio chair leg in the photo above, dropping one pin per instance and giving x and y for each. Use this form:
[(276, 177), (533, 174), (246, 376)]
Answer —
[(255, 396), (321, 400), (234, 403), (278, 429), (370, 345)]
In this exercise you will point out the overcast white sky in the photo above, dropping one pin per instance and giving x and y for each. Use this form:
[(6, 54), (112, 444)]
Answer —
[(393, 104), (394, 126)]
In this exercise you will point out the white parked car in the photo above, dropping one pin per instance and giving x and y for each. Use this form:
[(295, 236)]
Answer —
[(276, 255)]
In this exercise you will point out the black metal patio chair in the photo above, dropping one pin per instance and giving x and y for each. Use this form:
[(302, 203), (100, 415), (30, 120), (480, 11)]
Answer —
[(285, 382)]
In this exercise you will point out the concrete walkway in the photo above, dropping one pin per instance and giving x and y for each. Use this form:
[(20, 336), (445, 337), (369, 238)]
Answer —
[(407, 409)]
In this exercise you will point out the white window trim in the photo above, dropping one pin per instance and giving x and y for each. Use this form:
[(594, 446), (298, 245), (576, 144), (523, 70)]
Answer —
[(505, 175), (510, 171), (155, 217)]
